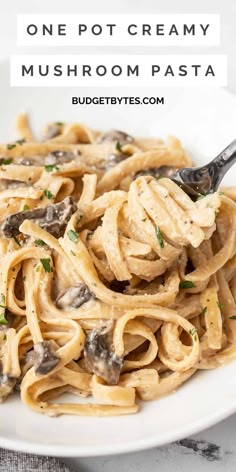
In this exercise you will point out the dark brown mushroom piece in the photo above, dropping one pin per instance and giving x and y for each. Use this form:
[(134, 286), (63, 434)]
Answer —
[(17, 386), (53, 158), (119, 137), (28, 161), (17, 183), (74, 297), (26, 362), (31, 161), (45, 357), (115, 135), (99, 359), (7, 384), (113, 159), (53, 218), (11, 184), (61, 157), (156, 172)]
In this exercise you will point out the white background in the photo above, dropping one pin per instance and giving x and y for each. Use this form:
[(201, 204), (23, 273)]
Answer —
[(173, 457)]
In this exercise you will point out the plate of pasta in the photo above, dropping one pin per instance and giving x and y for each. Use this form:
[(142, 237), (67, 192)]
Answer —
[(118, 292)]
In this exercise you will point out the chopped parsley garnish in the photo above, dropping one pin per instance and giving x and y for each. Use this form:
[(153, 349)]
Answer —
[(59, 123), (220, 305), (159, 237), (204, 311), (46, 265), (16, 240), (51, 168), (200, 196), (186, 284), (13, 145), (232, 317), (6, 161), (79, 219), (118, 146), (3, 320), (72, 252), (73, 235), (144, 219), (48, 194), (24, 278), (26, 207), (193, 331), (20, 141), (39, 242)]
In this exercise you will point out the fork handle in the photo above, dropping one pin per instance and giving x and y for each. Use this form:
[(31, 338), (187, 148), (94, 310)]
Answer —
[(221, 164)]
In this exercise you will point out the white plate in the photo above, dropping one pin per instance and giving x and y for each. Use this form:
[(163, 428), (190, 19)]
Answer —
[(205, 121)]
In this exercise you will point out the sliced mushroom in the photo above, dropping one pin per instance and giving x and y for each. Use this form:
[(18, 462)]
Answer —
[(7, 384), (45, 357), (26, 362), (113, 159), (17, 183), (99, 359), (156, 172), (55, 157), (29, 360), (60, 157), (11, 184), (17, 385), (53, 218), (115, 135), (31, 161), (74, 297), (51, 131)]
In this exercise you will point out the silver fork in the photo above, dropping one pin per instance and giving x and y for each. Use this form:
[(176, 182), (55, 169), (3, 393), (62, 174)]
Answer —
[(196, 181)]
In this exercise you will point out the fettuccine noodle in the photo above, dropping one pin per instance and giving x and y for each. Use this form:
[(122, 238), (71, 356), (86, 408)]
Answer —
[(114, 284)]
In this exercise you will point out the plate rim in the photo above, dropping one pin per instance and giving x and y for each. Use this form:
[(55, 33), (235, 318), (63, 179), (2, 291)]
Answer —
[(122, 448)]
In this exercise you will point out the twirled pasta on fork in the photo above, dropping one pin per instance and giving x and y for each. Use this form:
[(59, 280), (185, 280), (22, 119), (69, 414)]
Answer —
[(114, 284)]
